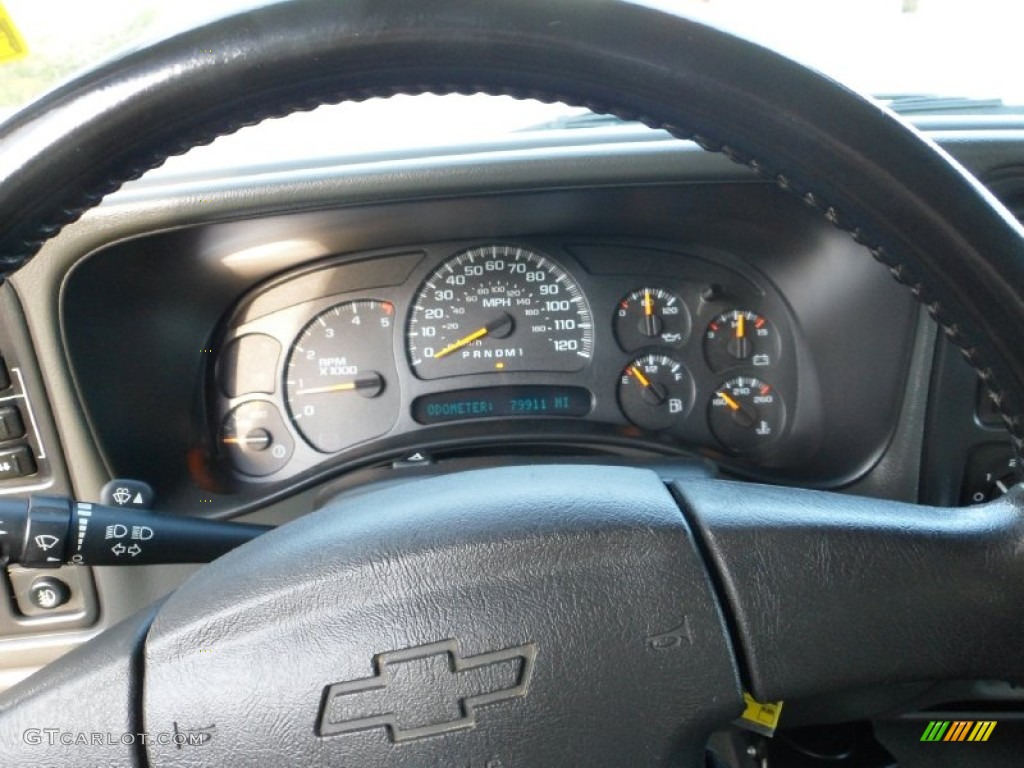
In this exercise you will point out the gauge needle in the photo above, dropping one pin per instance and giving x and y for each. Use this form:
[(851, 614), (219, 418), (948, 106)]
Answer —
[(740, 347), (739, 413), (729, 401), (650, 321), (258, 439), (348, 386), (653, 393), (494, 327), (639, 376), (369, 384)]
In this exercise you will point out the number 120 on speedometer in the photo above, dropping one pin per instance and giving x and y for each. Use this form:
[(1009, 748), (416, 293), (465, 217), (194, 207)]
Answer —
[(498, 308)]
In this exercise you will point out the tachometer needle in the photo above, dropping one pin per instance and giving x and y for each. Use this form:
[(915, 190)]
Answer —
[(368, 385), (496, 327), (348, 386), (741, 326)]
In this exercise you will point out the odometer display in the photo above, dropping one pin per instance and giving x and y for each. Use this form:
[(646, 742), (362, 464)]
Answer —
[(498, 308), (502, 402)]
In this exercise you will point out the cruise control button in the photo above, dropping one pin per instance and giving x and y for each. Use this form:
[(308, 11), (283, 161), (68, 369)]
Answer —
[(16, 462), (48, 593), (11, 425)]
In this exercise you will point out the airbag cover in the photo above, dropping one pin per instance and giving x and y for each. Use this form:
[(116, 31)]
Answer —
[(502, 617)]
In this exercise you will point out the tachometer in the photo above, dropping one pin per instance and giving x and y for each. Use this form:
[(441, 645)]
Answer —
[(341, 373), (498, 308)]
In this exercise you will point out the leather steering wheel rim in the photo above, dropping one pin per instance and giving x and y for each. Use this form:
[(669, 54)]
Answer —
[(909, 203), (917, 210)]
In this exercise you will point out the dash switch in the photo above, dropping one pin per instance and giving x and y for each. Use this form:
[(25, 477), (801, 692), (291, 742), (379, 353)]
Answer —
[(11, 425), (16, 462)]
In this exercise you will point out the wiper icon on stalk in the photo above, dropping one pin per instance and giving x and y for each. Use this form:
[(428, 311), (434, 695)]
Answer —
[(45, 541)]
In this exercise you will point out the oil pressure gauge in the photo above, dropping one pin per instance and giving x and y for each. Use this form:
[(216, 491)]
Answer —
[(651, 316), (740, 337)]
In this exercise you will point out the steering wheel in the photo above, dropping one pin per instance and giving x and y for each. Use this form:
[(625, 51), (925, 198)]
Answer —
[(536, 615)]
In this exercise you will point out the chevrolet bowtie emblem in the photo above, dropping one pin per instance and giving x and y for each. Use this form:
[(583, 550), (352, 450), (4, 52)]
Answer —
[(426, 691)]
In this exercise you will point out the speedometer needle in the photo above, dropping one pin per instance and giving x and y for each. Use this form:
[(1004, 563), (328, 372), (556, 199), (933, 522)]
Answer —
[(500, 326)]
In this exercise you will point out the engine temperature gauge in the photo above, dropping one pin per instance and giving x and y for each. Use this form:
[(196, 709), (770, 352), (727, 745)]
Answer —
[(745, 414), (740, 337), (655, 391)]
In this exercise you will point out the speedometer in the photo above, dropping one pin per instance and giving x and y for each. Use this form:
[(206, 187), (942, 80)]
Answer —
[(499, 308)]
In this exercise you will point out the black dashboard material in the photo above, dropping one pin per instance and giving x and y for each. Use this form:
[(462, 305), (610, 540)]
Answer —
[(167, 254), (221, 359), (843, 330)]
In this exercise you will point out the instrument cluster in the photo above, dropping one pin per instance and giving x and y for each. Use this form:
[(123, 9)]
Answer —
[(544, 340)]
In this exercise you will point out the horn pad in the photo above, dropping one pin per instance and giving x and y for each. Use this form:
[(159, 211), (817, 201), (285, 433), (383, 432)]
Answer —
[(499, 617)]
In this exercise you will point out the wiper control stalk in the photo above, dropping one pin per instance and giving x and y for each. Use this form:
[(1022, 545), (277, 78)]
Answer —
[(51, 531)]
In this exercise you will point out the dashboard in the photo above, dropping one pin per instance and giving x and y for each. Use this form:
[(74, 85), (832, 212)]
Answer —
[(718, 321), (166, 337), (642, 341), (263, 341)]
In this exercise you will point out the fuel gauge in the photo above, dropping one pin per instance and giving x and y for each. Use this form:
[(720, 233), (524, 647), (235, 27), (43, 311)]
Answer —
[(655, 392)]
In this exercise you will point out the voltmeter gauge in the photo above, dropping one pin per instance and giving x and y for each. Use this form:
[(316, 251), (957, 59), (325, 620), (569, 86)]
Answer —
[(746, 414), (740, 337), (651, 316), (340, 375), (655, 392)]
